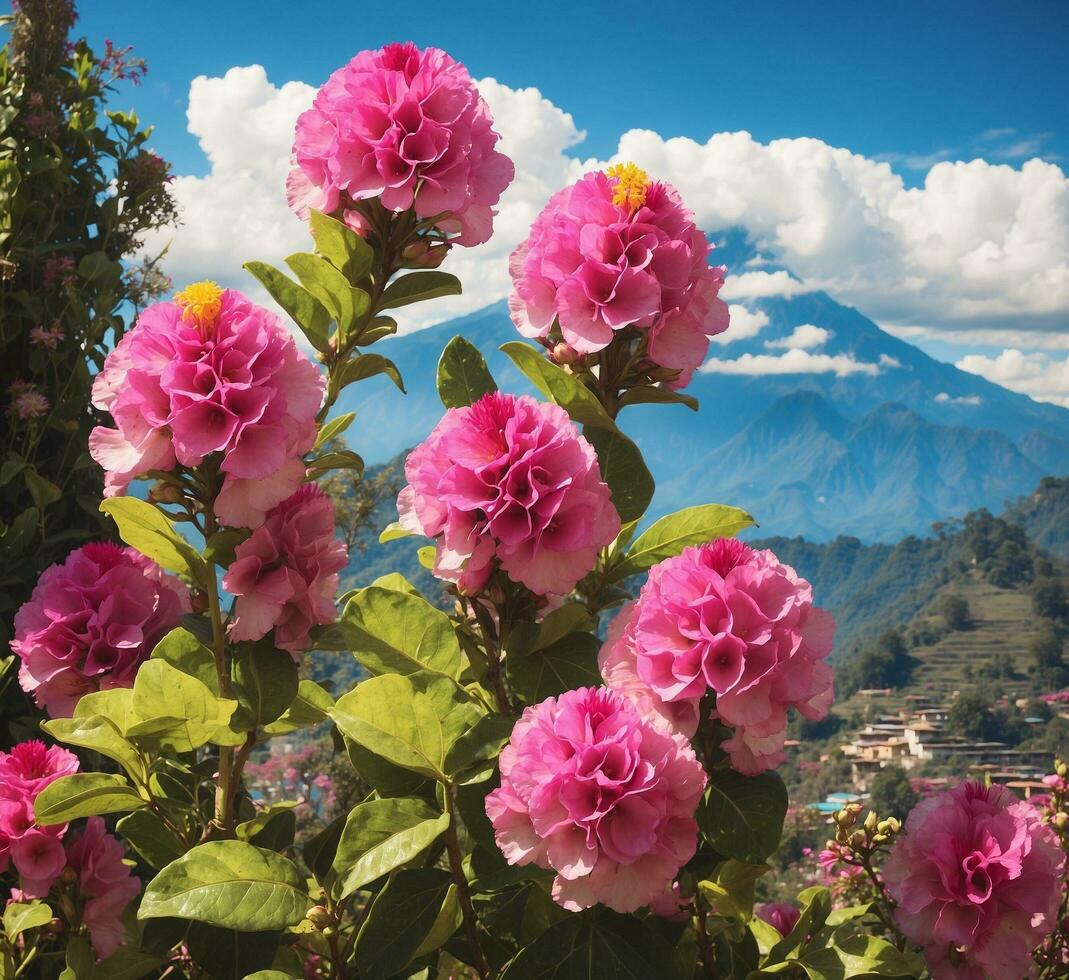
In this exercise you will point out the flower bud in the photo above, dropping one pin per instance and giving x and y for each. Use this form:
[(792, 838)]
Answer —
[(164, 493), (1061, 820), (320, 917), (870, 821), (563, 354), (1061, 768), (857, 839)]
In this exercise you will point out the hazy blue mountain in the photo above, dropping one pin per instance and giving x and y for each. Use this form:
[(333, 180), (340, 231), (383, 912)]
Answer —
[(877, 456)]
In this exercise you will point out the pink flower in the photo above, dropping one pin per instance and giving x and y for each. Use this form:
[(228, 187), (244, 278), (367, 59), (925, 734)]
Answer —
[(782, 916), (977, 879), (407, 127), (104, 882), (59, 271), (509, 481), (599, 795), (616, 250), (39, 859), (211, 373), (90, 623), (726, 618), (30, 404), (672, 904), (30, 766), (285, 575), (48, 337)]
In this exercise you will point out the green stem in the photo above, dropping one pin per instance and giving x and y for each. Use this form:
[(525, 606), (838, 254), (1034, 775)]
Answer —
[(456, 865)]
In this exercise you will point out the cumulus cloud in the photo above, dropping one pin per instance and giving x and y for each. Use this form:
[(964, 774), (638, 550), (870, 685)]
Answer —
[(795, 361), (802, 337), (945, 399), (886, 360), (977, 246), (744, 324), (1036, 374)]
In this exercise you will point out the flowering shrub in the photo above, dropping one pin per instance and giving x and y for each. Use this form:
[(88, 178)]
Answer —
[(501, 794)]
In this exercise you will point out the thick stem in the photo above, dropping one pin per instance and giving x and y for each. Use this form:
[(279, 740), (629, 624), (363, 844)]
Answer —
[(224, 792), (456, 865)]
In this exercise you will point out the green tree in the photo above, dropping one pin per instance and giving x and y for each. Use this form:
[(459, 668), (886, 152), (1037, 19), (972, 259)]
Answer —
[(970, 715), (1050, 599), (891, 794), (954, 609)]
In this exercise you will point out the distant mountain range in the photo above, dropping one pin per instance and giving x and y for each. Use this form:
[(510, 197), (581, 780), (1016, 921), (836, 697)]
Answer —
[(879, 449)]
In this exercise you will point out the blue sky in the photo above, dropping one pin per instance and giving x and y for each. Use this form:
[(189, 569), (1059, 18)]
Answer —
[(906, 83)]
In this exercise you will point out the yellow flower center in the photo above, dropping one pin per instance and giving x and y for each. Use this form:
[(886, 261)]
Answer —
[(201, 303), (632, 182)]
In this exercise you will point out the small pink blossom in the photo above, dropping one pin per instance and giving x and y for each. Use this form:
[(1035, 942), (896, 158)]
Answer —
[(90, 623), (30, 766), (39, 859), (593, 791), (213, 373), (30, 404), (598, 261), (782, 916), (726, 618), (104, 882), (47, 337), (59, 271), (509, 481), (285, 575), (407, 127), (977, 881)]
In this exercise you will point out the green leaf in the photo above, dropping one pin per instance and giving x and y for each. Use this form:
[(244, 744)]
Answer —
[(413, 898), (264, 681), (318, 853), (411, 721), (731, 888), (303, 308), (397, 632), (363, 366), (394, 532), (341, 246), (558, 386), (311, 707), (602, 947), (815, 908), (96, 733), (343, 301), (381, 836), (116, 705), (624, 470), (569, 663), (418, 286), (229, 955), (84, 794), (334, 428), (127, 963), (445, 924), (182, 650), (742, 816), (179, 712), (654, 395), (44, 492), (221, 547), (147, 834), (143, 527), (80, 960), (383, 776), (20, 916), (572, 617), (669, 535), (230, 884), (480, 743), (463, 377), (853, 954)]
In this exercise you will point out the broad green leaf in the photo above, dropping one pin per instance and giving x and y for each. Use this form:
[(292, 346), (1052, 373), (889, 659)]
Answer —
[(395, 582), (251, 829), (463, 377), (602, 947), (79, 959), (572, 617), (44, 492), (394, 532), (569, 663), (381, 836), (362, 366), (397, 632), (96, 733), (413, 898), (147, 834), (418, 286), (385, 778), (481, 742), (742, 816), (343, 459), (143, 527), (335, 427), (654, 395), (731, 888), (853, 954), (448, 921), (341, 246), (558, 386), (303, 308), (230, 884), (815, 908), (84, 794), (127, 963), (116, 705), (669, 535), (343, 301), (311, 707), (411, 721), (179, 712), (20, 916), (183, 650), (318, 853), (264, 681), (624, 470), (225, 954), (221, 547)]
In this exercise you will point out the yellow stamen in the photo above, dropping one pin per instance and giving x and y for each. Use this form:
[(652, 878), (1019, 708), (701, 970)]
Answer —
[(201, 303), (632, 183)]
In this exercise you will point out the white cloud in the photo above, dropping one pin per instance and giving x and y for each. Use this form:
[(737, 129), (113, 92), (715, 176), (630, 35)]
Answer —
[(979, 246), (759, 285), (793, 362), (802, 337), (1036, 374), (744, 324), (983, 337), (944, 399), (886, 360)]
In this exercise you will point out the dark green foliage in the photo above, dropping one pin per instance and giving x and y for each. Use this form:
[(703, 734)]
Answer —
[(891, 794), (955, 611), (1050, 598)]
